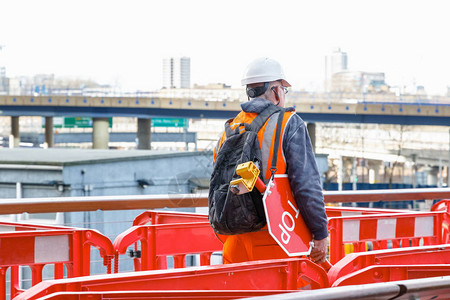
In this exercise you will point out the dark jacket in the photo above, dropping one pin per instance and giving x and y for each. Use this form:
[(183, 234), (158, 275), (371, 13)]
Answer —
[(302, 171)]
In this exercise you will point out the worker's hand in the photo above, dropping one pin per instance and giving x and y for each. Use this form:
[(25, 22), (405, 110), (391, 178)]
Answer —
[(320, 251)]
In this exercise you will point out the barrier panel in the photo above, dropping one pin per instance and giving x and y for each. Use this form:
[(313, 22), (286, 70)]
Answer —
[(343, 211), (444, 205), (162, 240), (424, 288), (168, 217), (37, 246), (152, 295), (386, 273), (435, 254), (151, 261), (403, 229), (281, 275), (13, 226)]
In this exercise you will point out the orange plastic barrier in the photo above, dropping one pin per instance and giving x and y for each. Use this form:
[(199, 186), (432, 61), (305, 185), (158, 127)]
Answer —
[(162, 240), (281, 275), (37, 246), (147, 257), (12, 227), (386, 273), (405, 229), (168, 217), (152, 295), (435, 254), (340, 211), (444, 205)]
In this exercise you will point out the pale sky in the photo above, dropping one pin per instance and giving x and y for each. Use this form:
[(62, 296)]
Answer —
[(124, 42)]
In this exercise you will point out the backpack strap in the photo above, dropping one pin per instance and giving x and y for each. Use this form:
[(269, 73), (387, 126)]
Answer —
[(273, 168), (261, 118)]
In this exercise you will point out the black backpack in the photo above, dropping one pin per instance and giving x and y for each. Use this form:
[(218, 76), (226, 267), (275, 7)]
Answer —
[(230, 213)]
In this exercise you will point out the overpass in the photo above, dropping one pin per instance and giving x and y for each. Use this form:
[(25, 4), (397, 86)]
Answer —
[(348, 108)]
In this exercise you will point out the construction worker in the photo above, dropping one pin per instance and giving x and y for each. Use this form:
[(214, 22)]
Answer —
[(266, 85)]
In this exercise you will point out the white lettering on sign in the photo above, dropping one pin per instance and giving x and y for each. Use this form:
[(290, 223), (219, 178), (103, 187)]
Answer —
[(285, 228), (285, 236), (283, 220), (293, 207)]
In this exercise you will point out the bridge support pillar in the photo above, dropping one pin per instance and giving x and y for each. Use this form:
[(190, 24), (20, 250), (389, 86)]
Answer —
[(311, 127), (14, 138), (49, 135), (100, 133), (144, 134)]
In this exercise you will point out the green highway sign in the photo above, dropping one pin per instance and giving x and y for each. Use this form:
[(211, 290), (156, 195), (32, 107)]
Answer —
[(72, 122), (170, 122), (78, 122)]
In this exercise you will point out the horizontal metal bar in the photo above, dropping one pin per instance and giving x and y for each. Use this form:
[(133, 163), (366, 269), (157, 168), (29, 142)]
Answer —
[(92, 203), (386, 195)]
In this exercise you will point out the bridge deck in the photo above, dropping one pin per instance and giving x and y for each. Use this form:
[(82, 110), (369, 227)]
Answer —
[(317, 110)]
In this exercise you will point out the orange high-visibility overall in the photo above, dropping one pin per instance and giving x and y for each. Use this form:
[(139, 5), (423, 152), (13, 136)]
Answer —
[(256, 245)]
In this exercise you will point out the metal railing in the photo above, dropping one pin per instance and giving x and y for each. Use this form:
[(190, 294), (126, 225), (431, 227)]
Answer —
[(92, 203)]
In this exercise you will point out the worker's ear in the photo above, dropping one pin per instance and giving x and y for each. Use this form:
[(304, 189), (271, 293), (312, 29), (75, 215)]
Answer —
[(276, 94)]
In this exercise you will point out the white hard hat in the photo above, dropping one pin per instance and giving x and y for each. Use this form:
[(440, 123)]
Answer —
[(264, 70)]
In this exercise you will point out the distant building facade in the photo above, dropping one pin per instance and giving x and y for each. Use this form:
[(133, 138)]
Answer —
[(177, 72), (334, 63), (3, 81), (358, 82)]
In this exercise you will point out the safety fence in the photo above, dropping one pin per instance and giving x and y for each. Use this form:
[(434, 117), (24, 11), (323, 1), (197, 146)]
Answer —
[(276, 276), (168, 217), (156, 232), (423, 288), (156, 235), (161, 240), (342, 211), (404, 229), (152, 295), (350, 268), (270, 276), (37, 246)]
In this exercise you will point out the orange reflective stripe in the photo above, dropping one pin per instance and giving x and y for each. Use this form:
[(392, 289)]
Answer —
[(281, 163)]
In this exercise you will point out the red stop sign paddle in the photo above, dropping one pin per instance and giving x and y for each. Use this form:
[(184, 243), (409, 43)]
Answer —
[(284, 220)]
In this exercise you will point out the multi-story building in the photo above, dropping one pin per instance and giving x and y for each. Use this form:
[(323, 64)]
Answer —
[(334, 63), (177, 72), (3, 81), (358, 82)]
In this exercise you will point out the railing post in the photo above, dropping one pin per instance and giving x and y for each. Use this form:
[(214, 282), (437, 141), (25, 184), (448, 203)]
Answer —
[(36, 271), (3, 283), (59, 271), (205, 258), (15, 281), (336, 244)]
